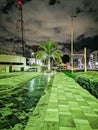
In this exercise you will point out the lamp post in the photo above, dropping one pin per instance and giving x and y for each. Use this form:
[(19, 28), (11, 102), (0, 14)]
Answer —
[(72, 41), (85, 68)]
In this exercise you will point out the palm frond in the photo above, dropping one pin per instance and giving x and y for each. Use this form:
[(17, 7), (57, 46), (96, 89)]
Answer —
[(41, 55), (49, 50)]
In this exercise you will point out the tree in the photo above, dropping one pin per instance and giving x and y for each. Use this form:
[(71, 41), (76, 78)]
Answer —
[(49, 50)]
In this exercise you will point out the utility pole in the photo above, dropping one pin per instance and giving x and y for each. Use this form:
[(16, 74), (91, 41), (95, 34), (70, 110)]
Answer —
[(72, 42), (85, 68)]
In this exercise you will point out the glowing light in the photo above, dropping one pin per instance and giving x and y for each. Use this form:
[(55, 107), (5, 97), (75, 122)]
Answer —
[(20, 3)]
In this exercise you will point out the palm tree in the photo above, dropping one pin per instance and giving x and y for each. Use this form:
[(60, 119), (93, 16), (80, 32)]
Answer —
[(49, 50)]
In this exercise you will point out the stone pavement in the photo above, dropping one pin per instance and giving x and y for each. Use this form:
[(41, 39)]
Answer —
[(70, 107)]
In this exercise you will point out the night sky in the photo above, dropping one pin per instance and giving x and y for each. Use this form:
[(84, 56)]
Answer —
[(44, 21)]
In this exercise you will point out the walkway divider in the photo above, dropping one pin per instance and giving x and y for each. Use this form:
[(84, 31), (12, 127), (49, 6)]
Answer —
[(66, 106)]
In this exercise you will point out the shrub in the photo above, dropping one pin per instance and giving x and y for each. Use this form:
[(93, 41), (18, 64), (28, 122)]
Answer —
[(84, 82), (88, 81), (94, 87)]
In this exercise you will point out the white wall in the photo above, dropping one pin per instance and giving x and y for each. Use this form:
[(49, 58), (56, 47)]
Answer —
[(11, 59)]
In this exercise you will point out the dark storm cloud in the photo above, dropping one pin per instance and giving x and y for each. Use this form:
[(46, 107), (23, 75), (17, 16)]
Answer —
[(3, 28), (43, 21), (6, 31), (34, 22), (38, 23), (81, 37), (89, 42), (24, 1), (78, 10), (89, 10), (52, 2), (57, 30), (96, 19), (9, 19), (9, 39), (86, 3), (28, 30), (88, 7), (92, 30), (9, 4), (2, 39)]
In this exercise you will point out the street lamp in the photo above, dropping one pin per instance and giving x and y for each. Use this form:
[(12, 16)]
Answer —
[(72, 41)]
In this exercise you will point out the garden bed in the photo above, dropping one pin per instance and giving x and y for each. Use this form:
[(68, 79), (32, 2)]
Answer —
[(88, 80)]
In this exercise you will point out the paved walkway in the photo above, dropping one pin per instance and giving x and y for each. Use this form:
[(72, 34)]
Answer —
[(70, 107)]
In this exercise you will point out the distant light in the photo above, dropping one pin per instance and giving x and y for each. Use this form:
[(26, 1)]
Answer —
[(20, 3), (96, 63), (32, 53), (91, 56)]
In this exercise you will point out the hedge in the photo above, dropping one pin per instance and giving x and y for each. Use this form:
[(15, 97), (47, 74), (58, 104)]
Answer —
[(88, 81)]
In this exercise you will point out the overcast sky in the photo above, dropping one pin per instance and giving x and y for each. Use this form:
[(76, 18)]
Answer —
[(43, 21)]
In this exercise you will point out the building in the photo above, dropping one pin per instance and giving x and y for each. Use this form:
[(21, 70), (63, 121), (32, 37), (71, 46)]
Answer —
[(9, 63), (93, 60)]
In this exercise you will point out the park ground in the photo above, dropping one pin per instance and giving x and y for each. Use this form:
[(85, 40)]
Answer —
[(64, 106)]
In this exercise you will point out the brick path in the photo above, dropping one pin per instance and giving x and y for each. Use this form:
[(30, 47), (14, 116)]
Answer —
[(70, 107)]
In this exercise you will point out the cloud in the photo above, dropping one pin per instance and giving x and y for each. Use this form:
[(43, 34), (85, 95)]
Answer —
[(57, 30), (89, 42), (43, 21), (52, 2), (86, 3), (96, 19), (8, 6)]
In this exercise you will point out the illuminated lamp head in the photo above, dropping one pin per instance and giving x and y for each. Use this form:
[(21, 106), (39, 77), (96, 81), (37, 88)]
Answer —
[(20, 2)]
